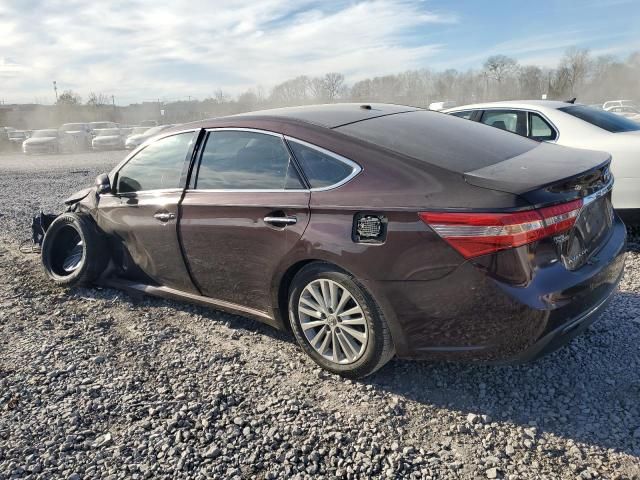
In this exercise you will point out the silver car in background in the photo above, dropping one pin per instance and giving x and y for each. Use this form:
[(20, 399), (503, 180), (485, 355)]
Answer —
[(49, 140), (107, 139), (80, 133)]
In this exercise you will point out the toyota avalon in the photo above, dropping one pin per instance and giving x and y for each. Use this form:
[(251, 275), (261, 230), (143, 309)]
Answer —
[(367, 230)]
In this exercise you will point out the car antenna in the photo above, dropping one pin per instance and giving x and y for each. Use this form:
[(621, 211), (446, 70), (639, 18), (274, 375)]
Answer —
[(365, 107), (573, 100)]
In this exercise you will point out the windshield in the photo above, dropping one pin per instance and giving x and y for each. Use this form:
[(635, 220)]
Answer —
[(45, 133), (601, 118), (73, 127), (96, 125), (16, 135), (107, 131), (139, 130)]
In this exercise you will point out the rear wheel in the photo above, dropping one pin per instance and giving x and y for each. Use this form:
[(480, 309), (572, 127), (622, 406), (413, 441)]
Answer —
[(337, 322), (73, 250)]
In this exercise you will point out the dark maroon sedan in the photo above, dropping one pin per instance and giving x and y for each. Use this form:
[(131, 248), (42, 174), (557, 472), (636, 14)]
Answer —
[(368, 230)]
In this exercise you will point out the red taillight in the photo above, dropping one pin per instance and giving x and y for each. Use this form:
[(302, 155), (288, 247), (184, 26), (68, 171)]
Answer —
[(474, 234)]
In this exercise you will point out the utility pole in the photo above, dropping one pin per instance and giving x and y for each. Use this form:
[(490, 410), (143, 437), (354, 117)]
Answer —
[(55, 89)]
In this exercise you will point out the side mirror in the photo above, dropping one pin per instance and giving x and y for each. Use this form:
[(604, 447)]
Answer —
[(103, 185)]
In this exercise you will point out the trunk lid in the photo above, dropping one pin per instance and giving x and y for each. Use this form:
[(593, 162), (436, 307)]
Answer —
[(545, 174), (549, 175)]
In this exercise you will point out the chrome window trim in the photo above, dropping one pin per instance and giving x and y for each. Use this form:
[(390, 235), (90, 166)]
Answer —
[(355, 168), (157, 191), (116, 170), (549, 122), (248, 190), (239, 190), (243, 129)]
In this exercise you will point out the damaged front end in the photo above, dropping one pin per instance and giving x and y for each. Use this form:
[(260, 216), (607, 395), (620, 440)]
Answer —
[(42, 221)]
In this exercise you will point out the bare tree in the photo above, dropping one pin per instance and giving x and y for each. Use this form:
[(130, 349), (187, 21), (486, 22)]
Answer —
[(500, 66), (69, 97), (333, 85), (575, 63), (328, 88), (221, 96), (531, 82), (247, 101), (98, 100), (291, 92)]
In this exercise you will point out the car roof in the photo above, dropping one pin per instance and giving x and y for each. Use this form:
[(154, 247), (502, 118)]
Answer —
[(536, 104), (327, 115)]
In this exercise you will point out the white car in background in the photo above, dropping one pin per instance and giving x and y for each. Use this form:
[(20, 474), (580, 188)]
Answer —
[(630, 112), (618, 103), (573, 125), (79, 132), (107, 139)]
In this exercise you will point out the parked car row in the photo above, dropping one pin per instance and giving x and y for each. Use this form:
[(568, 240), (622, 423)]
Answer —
[(74, 137)]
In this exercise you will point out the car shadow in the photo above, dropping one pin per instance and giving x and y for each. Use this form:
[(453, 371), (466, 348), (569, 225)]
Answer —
[(588, 391)]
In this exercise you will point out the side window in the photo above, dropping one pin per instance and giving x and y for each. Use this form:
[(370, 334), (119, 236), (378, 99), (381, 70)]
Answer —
[(510, 120), (240, 160), (539, 129), (321, 169), (158, 166), (466, 114)]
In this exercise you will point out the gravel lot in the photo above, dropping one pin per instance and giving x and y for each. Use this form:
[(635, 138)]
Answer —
[(97, 384)]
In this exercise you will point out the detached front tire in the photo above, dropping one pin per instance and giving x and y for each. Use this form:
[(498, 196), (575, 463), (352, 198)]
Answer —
[(74, 252), (337, 322)]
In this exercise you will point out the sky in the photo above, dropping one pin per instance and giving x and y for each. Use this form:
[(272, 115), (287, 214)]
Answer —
[(143, 50)]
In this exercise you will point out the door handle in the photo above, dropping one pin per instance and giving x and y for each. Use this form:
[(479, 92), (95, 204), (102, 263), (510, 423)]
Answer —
[(164, 216), (280, 221)]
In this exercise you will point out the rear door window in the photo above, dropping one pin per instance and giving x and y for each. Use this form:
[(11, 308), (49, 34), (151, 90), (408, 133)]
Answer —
[(321, 169), (510, 120), (245, 160), (539, 129)]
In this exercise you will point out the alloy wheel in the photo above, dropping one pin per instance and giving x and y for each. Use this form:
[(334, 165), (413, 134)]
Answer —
[(333, 321)]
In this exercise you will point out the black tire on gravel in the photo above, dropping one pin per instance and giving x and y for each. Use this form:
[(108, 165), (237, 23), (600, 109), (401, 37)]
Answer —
[(74, 251), (379, 345)]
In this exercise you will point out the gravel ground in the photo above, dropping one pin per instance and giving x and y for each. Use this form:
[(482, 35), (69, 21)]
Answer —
[(97, 384)]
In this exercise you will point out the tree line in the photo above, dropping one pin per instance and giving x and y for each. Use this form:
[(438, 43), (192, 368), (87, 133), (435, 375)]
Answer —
[(592, 79)]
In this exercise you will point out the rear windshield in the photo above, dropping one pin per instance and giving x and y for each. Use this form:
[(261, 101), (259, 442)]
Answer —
[(608, 121), (440, 139)]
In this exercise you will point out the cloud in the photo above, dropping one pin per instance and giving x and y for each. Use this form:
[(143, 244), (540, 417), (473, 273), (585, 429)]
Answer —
[(142, 50)]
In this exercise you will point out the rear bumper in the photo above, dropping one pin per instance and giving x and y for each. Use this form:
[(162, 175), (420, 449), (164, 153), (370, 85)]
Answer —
[(470, 314), (561, 335), (35, 150)]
